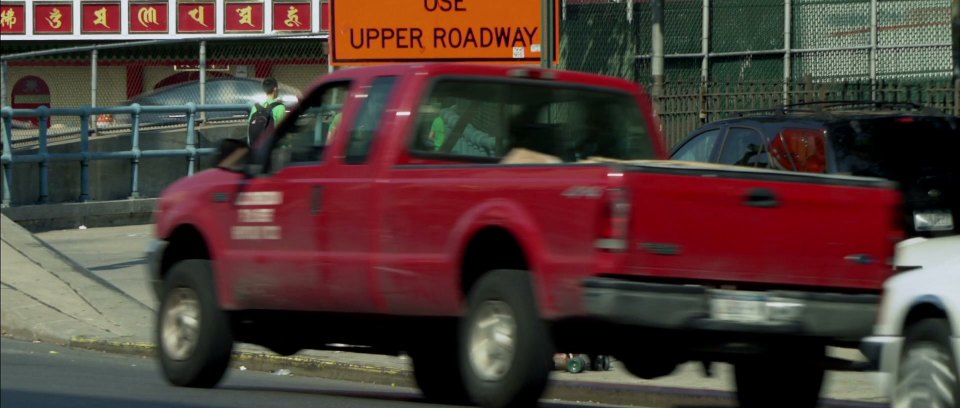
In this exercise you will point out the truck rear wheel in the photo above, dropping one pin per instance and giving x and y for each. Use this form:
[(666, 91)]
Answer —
[(505, 347), (927, 374), (193, 335), (788, 378)]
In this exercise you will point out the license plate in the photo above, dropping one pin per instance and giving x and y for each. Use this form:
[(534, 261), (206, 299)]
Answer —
[(738, 306), (935, 220)]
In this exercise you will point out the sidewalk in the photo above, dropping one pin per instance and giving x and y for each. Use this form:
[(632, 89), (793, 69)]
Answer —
[(95, 297)]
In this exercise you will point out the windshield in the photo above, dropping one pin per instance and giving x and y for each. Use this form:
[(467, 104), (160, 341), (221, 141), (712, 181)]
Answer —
[(485, 119)]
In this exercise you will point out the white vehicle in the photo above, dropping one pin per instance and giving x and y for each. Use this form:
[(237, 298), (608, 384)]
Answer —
[(916, 340)]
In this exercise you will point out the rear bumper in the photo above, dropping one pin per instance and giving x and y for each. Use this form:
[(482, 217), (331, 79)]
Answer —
[(687, 307)]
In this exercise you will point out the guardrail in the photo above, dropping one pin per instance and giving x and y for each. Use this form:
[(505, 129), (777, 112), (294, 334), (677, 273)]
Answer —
[(43, 157)]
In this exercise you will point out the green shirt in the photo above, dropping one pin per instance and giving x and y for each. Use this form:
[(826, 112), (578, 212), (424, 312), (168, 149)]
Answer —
[(438, 129), (333, 126), (278, 111)]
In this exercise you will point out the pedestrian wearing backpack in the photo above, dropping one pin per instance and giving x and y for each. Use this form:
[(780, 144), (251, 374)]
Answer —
[(265, 116)]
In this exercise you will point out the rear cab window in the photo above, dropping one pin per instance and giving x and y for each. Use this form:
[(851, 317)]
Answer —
[(799, 149), (483, 120)]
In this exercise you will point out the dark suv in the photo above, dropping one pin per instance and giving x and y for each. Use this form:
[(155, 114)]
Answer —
[(918, 148)]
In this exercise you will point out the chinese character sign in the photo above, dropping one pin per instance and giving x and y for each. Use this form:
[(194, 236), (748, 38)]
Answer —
[(53, 18), (149, 18), (12, 19), (243, 17), (196, 17), (100, 17), (290, 16)]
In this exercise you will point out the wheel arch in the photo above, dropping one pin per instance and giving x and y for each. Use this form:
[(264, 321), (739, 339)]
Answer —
[(489, 248), (185, 242), (926, 307)]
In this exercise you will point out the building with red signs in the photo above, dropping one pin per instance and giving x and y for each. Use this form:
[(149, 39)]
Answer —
[(148, 44)]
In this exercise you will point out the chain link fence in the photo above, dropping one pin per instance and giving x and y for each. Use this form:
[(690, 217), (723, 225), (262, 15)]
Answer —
[(157, 72), (149, 73), (729, 56)]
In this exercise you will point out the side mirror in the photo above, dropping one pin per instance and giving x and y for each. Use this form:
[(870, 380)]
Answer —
[(232, 154)]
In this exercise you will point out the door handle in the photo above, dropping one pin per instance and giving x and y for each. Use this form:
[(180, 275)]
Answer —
[(762, 198), (316, 200)]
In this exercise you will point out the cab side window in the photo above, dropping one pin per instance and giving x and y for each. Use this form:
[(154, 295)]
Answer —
[(364, 130), (744, 147), (700, 148), (302, 141)]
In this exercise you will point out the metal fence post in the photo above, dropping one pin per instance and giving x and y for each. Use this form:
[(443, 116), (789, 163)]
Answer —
[(85, 155), (873, 50), (93, 80), (787, 49), (7, 157), (657, 56), (191, 138), (203, 78), (135, 148), (3, 84), (44, 115), (705, 64)]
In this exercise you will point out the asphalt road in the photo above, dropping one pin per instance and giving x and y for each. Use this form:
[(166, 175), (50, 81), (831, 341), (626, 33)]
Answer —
[(47, 376)]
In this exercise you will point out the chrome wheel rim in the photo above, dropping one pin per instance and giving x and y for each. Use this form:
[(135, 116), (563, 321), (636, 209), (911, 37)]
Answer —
[(180, 328), (492, 340)]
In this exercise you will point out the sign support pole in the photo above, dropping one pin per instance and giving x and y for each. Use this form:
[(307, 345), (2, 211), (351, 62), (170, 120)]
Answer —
[(547, 30)]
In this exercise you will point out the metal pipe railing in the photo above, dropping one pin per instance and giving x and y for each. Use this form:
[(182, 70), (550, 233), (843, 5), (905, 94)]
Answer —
[(43, 157)]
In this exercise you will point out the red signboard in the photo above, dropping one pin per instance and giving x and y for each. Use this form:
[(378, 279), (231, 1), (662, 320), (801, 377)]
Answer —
[(196, 17), (12, 18), (100, 17), (30, 92), (149, 17), (242, 17), (325, 16), (292, 16), (52, 18)]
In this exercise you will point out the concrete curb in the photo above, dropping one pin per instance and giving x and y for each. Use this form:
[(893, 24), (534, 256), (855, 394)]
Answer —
[(47, 217)]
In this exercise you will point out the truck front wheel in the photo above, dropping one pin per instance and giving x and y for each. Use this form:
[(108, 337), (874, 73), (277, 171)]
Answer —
[(927, 374), (505, 348), (193, 334)]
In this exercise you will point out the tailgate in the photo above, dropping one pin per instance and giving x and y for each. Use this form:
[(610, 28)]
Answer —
[(734, 225)]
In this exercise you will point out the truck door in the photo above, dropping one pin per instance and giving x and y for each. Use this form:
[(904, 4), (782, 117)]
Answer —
[(276, 236), (353, 202)]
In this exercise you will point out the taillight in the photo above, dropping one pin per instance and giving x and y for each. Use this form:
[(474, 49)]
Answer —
[(104, 120), (614, 223)]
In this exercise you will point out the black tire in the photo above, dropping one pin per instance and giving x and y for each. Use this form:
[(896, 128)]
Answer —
[(189, 287), (600, 363), (518, 379), (436, 369), (787, 378), (927, 375)]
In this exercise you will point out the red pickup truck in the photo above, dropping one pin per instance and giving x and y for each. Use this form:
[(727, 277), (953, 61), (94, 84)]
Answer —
[(479, 218)]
